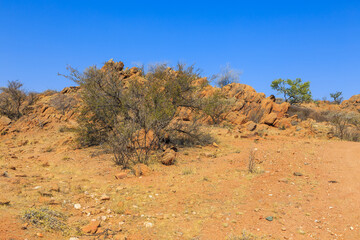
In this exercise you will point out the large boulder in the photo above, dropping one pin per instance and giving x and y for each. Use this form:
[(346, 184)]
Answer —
[(352, 104)]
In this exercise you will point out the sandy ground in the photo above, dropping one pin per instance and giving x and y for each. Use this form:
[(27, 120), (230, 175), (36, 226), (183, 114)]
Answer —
[(308, 188)]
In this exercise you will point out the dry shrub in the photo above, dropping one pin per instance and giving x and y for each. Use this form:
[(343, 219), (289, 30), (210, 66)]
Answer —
[(11, 99), (134, 117), (346, 125), (48, 219), (63, 102), (252, 161), (216, 105), (305, 113)]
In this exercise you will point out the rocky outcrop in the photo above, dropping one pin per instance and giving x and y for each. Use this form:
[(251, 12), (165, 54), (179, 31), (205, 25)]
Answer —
[(353, 104), (250, 105)]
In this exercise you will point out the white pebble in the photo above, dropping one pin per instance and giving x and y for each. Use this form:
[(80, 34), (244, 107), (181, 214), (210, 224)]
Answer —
[(148, 224), (77, 206)]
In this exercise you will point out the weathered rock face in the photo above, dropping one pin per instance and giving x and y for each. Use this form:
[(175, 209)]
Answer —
[(353, 104), (250, 105)]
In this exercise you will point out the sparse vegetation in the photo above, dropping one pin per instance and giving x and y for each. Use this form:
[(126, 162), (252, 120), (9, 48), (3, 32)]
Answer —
[(136, 116), (63, 103), (252, 161), (337, 97), (346, 125), (216, 105), (294, 91), (11, 99), (48, 219), (226, 76)]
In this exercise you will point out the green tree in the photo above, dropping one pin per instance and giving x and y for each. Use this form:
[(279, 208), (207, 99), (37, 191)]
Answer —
[(294, 91), (337, 96)]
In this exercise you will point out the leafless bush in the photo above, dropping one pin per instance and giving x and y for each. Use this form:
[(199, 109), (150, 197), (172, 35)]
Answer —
[(304, 113), (63, 103), (11, 99), (226, 76), (346, 125)]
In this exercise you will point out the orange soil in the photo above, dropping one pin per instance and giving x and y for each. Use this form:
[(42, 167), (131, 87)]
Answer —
[(197, 198)]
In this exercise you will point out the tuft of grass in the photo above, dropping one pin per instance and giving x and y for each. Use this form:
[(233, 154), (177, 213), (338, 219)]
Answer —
[(66, 158), (244, 236), (48, 219), (187, 171), (49, 149), (252, 163)]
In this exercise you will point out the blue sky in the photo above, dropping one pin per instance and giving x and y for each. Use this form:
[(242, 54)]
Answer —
[(318, 41)]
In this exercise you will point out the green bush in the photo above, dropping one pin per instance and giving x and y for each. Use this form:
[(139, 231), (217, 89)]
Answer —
[(294, 91)]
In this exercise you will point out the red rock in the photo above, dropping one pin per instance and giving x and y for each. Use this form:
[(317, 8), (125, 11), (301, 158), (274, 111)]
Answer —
[(141, 170), (270, 119), (121, 175), (169, 157), (91, 227), (104, 197)]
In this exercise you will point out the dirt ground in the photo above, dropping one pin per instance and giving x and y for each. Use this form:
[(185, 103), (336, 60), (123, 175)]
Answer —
[(301, 189)]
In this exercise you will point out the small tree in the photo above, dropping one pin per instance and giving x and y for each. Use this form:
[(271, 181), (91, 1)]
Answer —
[(337, 96), (226, 76), (294, 91), (11, 99), (135, 115)]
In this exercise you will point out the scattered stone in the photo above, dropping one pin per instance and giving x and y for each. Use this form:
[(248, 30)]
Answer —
[(21, 175), (45, 164), (225, 225), (73, 238), (236, 136), (168, 157), (148, 224), (251, 126), (283, 229), (4, 202), (12, 168), (302, 232), (104, 197), (54, 188), (40, 235), (284, 180), (5, 174), (141, 170), (298, 174), (270, 218), (77, 206), (25, 226), (121, 175), (215, 145), (333, 181), (91, 227)]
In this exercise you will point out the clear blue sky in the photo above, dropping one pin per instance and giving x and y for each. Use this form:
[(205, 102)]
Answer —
[(318, 41)]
